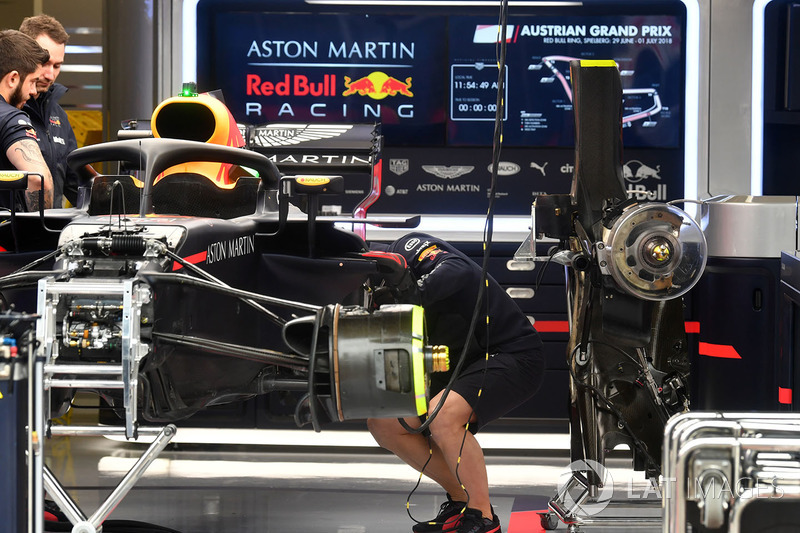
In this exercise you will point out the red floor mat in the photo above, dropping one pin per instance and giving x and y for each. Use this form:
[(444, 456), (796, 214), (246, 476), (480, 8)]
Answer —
[(525, 522)]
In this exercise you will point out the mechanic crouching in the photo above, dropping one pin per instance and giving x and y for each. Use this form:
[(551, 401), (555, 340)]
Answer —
[(503, 367)]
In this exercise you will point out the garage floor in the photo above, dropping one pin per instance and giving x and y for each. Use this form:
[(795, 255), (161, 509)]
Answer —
[(328, 482)]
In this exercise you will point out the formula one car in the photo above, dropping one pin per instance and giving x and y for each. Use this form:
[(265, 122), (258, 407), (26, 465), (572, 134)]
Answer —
[(188, 279)]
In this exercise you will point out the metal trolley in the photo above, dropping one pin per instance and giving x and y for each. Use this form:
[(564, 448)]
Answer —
[(718, 465)]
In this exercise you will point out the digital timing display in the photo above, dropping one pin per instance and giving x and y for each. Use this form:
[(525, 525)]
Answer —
[(537, 91)]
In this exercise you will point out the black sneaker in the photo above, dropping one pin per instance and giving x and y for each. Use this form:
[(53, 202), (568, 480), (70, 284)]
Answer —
[(446, 520), (472, 521)]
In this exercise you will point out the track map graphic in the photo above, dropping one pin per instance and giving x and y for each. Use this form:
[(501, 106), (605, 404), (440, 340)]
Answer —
[(538, 94)]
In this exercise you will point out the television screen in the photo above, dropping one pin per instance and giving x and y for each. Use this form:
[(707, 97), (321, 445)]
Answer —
[(537, 92), (429, 75)]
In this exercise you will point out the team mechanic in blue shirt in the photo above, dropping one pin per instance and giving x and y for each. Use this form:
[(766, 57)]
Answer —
[(446, 284), (56, 138)]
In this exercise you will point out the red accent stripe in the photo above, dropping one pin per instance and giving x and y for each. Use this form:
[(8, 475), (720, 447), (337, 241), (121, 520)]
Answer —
[(516, 33), (397, 258), (551, 326), (526, 522), (784, 396), (562, 326), (452, 523), (193, 259), (723, 351)]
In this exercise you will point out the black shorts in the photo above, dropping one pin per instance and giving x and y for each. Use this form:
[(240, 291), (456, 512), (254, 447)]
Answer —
[(505, 382)]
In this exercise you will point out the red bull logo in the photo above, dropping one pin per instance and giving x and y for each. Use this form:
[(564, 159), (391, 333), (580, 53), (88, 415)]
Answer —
[(291, 85), (430, 253), (378, 86), (362, 86), (392, 86)]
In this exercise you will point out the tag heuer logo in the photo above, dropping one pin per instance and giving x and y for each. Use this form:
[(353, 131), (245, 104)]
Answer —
[(448, 173), (398, 166)]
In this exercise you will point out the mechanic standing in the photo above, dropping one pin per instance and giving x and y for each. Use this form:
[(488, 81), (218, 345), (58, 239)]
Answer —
[(56, 138), (21, 62), (504, 367)]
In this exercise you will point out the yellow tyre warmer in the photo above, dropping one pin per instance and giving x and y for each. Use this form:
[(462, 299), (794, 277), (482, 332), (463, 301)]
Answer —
[(200, 118), (380, 362), (376, 365)]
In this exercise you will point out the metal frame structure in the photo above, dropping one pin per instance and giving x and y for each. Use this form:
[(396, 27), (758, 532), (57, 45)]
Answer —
[(46, 372), (750, 453), (568, 514)]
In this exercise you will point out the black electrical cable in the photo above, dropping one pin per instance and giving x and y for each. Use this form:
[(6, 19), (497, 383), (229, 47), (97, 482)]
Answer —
[(497, 141), (117, 185), (621, 351), (487, 246), (30, 265), (39, 261), (641, 446), (540, 275), (583, 345), (419, 480), (25, 279)]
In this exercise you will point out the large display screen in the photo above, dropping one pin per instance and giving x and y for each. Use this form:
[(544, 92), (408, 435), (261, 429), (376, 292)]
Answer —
[(537, 93), (429, 75)]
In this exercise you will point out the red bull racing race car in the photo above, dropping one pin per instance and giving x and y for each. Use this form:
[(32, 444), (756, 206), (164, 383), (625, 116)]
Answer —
[(186, 278)]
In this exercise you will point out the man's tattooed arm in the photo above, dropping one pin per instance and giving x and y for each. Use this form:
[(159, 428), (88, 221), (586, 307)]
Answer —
[(32, 200), (25, 155)]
